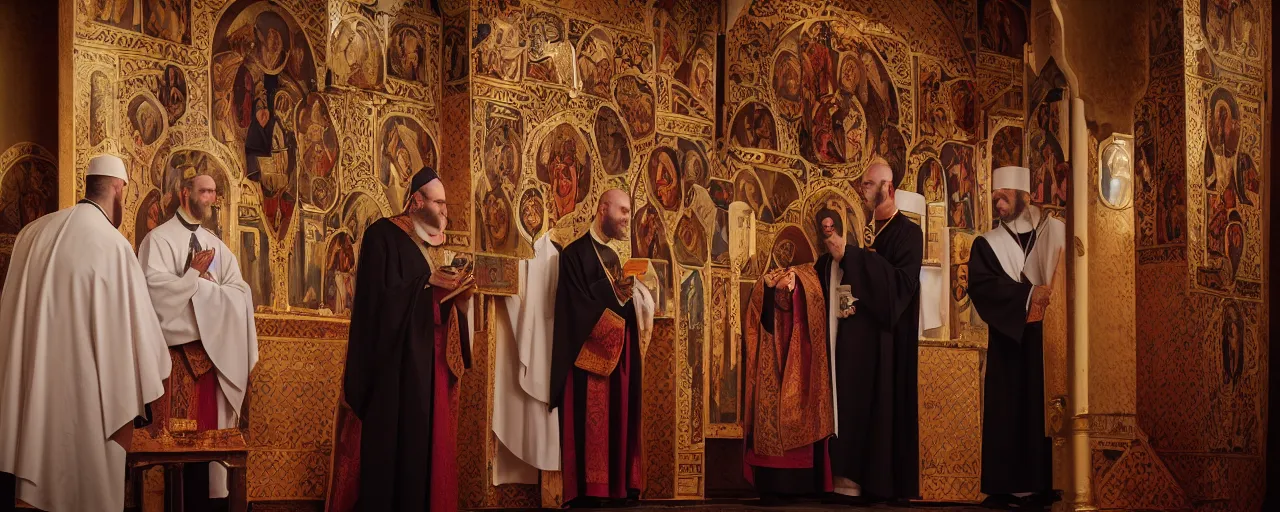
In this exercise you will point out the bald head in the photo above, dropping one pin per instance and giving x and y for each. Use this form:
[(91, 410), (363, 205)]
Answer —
[(613, 216), (879, 172), (876, 188)]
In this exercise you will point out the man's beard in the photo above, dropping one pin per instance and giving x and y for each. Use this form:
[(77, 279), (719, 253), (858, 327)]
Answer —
[(1019, 206), (198, 211), (117, 209), (615, 229), (433, 220), (875, 202)]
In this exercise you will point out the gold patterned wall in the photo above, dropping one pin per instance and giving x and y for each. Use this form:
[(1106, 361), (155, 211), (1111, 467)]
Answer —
[(311, 116), (1202, 351)]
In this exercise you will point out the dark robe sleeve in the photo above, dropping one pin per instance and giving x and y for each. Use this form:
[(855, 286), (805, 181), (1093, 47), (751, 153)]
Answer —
[(582, 295), (891, 273), (384, 304), (1000, 300), (766, 309)]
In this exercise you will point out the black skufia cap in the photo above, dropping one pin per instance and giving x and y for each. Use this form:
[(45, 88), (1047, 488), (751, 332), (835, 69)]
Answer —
[(422, 177)]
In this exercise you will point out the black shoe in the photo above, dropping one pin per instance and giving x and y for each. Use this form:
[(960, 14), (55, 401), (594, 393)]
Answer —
[(1002, 502)]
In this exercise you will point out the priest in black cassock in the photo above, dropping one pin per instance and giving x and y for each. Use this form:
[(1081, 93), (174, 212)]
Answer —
[(602, 320), (1010, 268), (873, 344), (407, 350)]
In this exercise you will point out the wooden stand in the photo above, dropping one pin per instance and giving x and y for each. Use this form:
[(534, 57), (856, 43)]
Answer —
[(174, 452)]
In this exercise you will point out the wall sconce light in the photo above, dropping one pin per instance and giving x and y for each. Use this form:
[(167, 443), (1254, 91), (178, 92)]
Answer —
[(1115, 171)]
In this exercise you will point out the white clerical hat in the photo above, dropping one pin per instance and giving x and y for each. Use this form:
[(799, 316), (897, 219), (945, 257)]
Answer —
[(108, 165), (1017, 178), (909, 202)]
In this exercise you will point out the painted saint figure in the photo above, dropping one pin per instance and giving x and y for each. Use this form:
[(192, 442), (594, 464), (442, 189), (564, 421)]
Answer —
[(407, 351), (206, 310), (602, 324), (1010, 270)]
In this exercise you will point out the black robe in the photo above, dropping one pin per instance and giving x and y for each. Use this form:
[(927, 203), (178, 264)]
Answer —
[(902, 245), (583, 294), (390, 360), (877, 445), (1016, 454)]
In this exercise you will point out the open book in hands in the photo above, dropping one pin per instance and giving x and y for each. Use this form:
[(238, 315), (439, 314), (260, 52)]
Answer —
[(458, 277)]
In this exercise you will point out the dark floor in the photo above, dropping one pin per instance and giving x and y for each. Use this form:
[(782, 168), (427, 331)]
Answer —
[(752, 505)]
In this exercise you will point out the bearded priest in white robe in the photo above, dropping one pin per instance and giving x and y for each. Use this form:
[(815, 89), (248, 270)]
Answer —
[(206, 310), (81, 353), (1010, 272)]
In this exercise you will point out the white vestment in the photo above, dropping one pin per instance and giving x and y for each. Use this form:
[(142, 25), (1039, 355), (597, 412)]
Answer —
[(833, 323), (1042, 261), (528, 431), (81, 354), (219, 314)]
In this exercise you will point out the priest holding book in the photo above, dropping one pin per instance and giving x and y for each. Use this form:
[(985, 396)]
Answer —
[(407, 351), (603, 318)]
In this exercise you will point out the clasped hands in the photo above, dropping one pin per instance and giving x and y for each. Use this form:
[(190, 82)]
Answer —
[(784, 278), (201, 262)]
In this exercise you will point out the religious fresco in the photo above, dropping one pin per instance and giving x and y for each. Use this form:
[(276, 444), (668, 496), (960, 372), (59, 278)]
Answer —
[(146, 119), (311, 120), (28, 186), (1050, 170), (612, 142), (550, 57), (961, 181), (28, 190), (356, 54), (318, 114), (172, 92), (167, 19), (1006, 148), (1198, 135), (963, 315), (1227, 256), (648, 235), (564, 165), (407, 54), (404, 147), (1003, 26), (690, 397)]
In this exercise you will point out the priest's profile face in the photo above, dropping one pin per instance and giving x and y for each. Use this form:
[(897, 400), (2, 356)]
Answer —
[(432, 211), (615, 212), (198, 196)]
